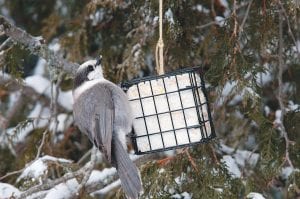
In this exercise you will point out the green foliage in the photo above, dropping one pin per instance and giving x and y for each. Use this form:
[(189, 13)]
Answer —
[(206, 180), (14, 59), (126, 32), (8, 158)]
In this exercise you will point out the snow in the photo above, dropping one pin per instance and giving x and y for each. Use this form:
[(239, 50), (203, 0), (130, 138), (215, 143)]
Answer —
[(201, 8), (161, 106), (4, 76), (254, 195), (183, 195), (39, 167), (54, 46), (180, 179), (176, 196), (229, 89), (231, 166), (169, 16), (286, 172), (220, 21), (296, 48), (102, 176), (7, 191), (241, 157), (238, 158), (38, 83), (226, 5), (67, 190), (267, 110), (40, 67), (64, 121), (186, 195), (292, 106), (277, 120), (97, 17), (107, 189), (37, 111), (13, 97), (63, 190), (65, 99), (263, 78), (43, 86)]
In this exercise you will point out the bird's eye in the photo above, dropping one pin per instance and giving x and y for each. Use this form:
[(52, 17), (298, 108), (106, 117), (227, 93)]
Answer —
[(90, 68)]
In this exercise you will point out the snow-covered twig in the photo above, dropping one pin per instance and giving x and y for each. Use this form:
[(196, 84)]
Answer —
[(36, 45), (90, 187), (88, 171)]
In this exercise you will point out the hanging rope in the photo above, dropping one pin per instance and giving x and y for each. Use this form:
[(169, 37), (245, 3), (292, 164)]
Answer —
[(159, 52)]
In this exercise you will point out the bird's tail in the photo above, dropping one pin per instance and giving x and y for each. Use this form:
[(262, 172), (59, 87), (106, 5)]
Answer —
[(127, 171)]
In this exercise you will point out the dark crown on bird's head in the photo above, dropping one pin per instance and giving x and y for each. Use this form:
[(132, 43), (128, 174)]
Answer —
[(87, 71)]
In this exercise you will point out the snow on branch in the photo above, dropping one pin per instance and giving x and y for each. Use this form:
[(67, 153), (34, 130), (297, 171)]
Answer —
[(36, 45), (67, 185)]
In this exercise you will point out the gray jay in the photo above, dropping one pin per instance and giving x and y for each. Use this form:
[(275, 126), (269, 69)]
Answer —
[(102, 111)]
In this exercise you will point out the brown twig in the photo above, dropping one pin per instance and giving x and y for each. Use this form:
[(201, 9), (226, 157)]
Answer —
[(194, 165), (289, 27), (11, 173), (280, 94)]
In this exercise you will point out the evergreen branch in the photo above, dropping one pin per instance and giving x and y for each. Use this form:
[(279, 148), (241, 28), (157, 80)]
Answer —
[(280, 90), (37, 46), (289, 27), (246, 16)]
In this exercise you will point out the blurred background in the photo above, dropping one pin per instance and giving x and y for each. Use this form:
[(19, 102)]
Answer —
[(249, 51)]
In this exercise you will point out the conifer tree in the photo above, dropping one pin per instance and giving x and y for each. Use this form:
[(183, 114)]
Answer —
[(249, 51)]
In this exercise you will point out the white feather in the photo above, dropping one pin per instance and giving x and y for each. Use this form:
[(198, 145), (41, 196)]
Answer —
[(85, 86), (96, 73)]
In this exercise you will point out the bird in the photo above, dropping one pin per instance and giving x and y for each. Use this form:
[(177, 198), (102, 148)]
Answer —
[(101, 110)]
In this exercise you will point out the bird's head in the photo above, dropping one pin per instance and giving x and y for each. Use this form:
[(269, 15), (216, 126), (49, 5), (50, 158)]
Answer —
[(88, 71)]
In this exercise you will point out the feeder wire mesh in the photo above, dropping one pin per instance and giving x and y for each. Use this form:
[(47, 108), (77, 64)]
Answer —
[(170, 110)]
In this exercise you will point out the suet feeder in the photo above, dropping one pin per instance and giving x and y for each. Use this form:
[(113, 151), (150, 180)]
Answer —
[(170, 110)]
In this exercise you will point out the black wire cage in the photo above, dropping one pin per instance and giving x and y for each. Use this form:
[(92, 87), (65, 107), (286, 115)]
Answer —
[(170, 111)]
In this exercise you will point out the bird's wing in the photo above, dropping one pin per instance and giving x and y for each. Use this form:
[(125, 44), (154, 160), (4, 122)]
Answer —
[(104, 119)]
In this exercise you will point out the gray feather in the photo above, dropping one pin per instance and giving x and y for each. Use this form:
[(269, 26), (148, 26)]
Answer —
[(127, 171), (104, 124), (103, 113)]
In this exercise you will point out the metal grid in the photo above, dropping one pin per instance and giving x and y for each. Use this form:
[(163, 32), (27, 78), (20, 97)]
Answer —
[(196, 89)]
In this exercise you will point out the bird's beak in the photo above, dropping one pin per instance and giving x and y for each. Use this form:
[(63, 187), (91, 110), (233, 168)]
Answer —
[(99, 60)]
